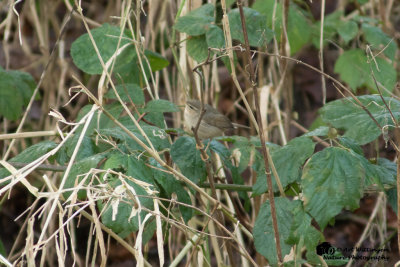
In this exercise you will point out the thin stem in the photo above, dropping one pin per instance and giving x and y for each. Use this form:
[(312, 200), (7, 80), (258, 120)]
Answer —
[(261, 133)]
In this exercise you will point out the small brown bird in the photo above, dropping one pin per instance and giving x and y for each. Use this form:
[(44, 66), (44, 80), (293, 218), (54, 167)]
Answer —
[(212, 124)]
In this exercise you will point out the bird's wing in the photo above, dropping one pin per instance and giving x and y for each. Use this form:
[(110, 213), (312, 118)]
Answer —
[(218, 120)]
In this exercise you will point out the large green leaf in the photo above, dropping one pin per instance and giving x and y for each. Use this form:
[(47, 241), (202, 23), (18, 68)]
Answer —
[(215, 37), (128, 68), (354, 69), (298, 28), (187, 157), (302, 232), (30, 154), (161, 105), (319, 131), (288, 161), (118, 212), (331, 25), (138, 169), (346, 114), (388, 171), (197, 48), (116, 161), (196, 22), (157, 62), (127, 92), (263, 232), (385, 74), (86, 148), (348, 30), (16, 88), (381, 172), (332, 180), (257, 31), (106, 39), (77, 173), (173, 186), (157, 136), (121, 225), (379, 40)]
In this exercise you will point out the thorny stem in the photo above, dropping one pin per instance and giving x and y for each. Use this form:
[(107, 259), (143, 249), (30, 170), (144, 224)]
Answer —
[(261, 133)]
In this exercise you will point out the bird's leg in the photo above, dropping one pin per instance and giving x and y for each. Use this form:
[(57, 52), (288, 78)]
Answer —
[(208, 144), (205, 151), (199, 147)]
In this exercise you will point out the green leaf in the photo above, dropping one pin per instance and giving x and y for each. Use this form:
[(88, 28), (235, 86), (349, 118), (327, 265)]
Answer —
[(196, 22), (379, 40), (288, 161), (230, 2), (123, 222), (116, 161), (25, 84), (331, 25), (350, 143), (353, 68), (302, 231), (157, 136), (157, 118), (266, 7), (388, 171), (346, 114), (157, 62), (173, 186), (160, 105), (34, 152), (320, 131), (77, 172), (382, 173), (197, 48), (299, 29), (101, 121), (187, 157), (106, 38), (215, 37), (258, 33), (30, 154), (122, 225), (263, 232), (385, 74), (86, 148), (332, 180), (16, 88), (134, 91), (127, 67), (347, 30), (138, 169)]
